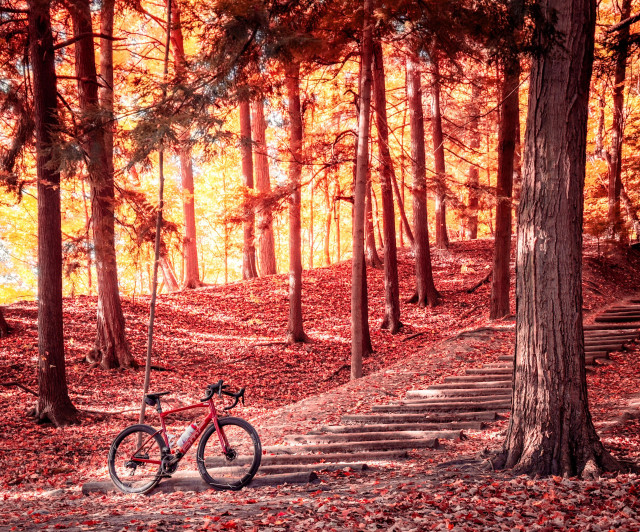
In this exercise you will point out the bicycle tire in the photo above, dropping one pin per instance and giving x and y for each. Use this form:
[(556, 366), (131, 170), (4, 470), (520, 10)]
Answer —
[(123, 465), (234, 470)]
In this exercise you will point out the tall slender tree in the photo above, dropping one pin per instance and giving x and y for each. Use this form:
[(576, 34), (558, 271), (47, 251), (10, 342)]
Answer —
[(295, 328), (442, 237), (249, 270), (391, 319), (614, 155), (359, 313), (473, 177), (53, 403), (111, 345), (189, 241), (508, 131), (550, 429), (426, 293), (266, 243)]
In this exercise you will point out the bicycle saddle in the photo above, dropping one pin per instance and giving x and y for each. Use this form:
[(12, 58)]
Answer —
[(152, 398)]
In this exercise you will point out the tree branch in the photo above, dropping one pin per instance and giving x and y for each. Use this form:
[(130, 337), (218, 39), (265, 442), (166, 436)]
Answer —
[(82, 36)]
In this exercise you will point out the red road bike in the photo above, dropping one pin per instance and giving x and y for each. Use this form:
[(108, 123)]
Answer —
[(228, 454)]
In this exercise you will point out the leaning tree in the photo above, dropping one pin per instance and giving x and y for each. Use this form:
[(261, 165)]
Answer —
[(550, 430)]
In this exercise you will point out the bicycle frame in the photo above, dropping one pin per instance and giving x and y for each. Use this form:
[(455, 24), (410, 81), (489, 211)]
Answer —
[(212, 416)]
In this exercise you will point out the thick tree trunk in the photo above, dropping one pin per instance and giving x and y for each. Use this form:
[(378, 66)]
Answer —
[(442, 238), (359, 311), (53, 396), (391, 320), (248, 245), (616, 227), (295, 329), (111, 345), (371, 253), (473, 177), (4, 326), (550, 428), (266, 244), (507, 138), (426, 293), (191, 274)]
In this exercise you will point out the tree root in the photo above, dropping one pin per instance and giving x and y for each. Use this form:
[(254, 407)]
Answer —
[(18, 385)]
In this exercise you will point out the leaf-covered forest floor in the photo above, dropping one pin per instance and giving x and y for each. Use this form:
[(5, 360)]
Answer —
[(236, 332)]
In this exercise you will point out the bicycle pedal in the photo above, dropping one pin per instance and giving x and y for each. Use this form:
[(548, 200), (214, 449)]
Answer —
[(164, 475)]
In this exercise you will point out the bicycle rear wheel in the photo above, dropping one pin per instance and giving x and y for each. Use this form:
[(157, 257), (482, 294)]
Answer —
[(234, 469), (135, 458)]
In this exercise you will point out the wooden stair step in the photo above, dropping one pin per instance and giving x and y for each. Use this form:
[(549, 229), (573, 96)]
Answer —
[(457, 392), (297, 468), (441, 417), (611, 327), (470, 406), (503, 395), (490, 377), (293, 439), (382, 445), (507, 370), (471, 385), (192, 481), (617, 319), (391, 427), (591, 347)]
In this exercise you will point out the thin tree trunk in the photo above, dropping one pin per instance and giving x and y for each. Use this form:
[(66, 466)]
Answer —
[(426, 293), (266, 244), (336, 216), (442, 238), (391, 320), (371, 253), (111, 346), (295, 328), (616, 226), (53, 396), (191, 275), (327, 223), (168, 274), (358, 268), (4, 326), (473, 177), (507, 137), (87, 220), (632, 212), (550, 429), (248, 245)]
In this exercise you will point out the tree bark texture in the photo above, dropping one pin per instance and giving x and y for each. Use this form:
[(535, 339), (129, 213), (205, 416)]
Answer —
[(616, 226), (550, 430), (359, 321), (327, 223), (248, 244), (4, 326), (371, 253), (507, 138), (473, 177), (111, 344), (266, 244), (426, 293), (295, 329), (53, 396), (442, 238), (189, 241), (391, 320)]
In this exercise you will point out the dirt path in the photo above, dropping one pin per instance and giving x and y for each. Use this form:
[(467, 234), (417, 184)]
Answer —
[(448, 489)]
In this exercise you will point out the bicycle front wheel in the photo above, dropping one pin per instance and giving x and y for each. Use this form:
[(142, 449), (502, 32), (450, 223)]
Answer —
[(135, 458), (233, 469)]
